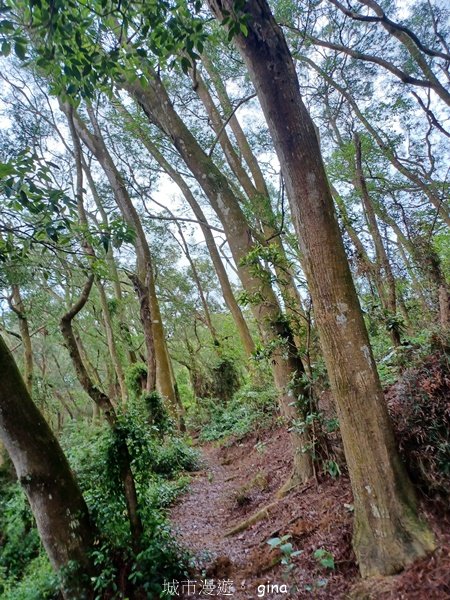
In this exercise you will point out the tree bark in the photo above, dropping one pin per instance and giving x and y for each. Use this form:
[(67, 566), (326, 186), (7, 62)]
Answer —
[(143, 297), (387, 534), (43, 471), (17, 306), (276, 332), (105, 405)]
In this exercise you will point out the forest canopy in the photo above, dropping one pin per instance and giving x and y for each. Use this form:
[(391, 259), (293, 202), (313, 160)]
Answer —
[(224, 257)]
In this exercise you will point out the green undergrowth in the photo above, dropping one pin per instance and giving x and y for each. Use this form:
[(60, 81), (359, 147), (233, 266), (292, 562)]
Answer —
[(160, 467), (392, 362), (250, 408)]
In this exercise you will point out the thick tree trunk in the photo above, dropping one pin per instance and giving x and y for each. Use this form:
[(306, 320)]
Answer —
[(387, 534), (42, 469)]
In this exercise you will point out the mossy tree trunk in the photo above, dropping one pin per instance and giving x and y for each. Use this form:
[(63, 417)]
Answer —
[(388, 534), (43, 471)]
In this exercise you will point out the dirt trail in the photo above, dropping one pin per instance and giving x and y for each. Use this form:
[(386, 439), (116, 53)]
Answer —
[(237, 481), (207, 506), (207, 512), (241, 478)]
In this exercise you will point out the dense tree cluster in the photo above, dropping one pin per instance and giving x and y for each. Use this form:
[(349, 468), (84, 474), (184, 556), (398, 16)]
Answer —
[(198, 198)]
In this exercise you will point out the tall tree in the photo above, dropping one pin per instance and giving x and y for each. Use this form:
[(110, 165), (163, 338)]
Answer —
[(42, 469), (388, 533)]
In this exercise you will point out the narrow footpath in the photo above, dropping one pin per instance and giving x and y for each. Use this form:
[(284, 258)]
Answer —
[(240, 481)]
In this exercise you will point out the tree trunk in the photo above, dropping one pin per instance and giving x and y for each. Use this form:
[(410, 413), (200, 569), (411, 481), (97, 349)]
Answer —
[(259, 196), (276, 332), (387, 534), (97, 146), (115, 359), (388, 292), (17, 306), (104, 403), (114, 274), (222, 275), (143, 297), (42, 469)]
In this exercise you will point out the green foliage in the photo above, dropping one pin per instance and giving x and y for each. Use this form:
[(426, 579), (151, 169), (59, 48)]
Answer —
[(249, 408), (324, 558), (19, 538), (441, 244), (94, 454), (26, 188), (38, 582), (225, 378), (76, 58), (286, 550), (332, 468)]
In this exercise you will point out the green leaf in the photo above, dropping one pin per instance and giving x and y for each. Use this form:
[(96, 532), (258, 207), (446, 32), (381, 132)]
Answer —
[(6, 169), (325, 558), (286, 548), (6, 48), (20, 49)]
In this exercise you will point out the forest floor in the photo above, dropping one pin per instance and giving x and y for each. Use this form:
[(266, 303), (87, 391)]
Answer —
[(241, 477)]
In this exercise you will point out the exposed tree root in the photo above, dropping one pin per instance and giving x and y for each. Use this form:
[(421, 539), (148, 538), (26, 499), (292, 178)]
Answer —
[(260, 515), (290, 484)]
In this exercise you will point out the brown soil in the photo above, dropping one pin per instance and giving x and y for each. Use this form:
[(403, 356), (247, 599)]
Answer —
[(241, 478)]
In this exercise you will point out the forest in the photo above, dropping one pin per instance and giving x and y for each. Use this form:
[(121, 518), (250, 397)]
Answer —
[(224, 299)]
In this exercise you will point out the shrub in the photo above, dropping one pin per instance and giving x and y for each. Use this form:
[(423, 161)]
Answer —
[(38, 582), (225, 379), (419, 405), (248, 407), (92, 452), (19, 538)]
